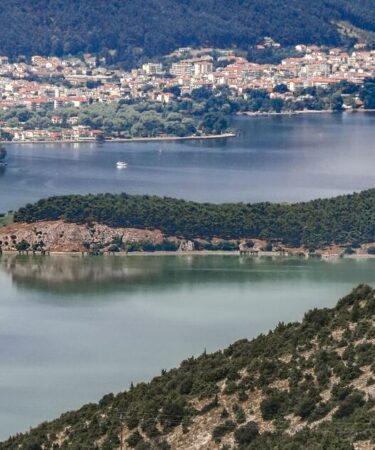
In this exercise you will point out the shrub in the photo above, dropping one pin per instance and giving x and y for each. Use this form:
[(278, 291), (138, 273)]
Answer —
[(33, 446), (22, 246), (306, 407), (209, 406), (247, 433), (341, 391), (239, 413), (172, 413), (230, 388), (134, 439), (132, 421), (148, 247), (272, 405), (221, 430), (224, 414), (186, 386), (321, 410), (143, 446), (268, 247), (242, 396), (349, 404), (166, 246)]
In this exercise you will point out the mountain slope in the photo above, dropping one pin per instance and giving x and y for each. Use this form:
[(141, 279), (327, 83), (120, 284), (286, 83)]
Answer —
[(308, 384), (139, 29)]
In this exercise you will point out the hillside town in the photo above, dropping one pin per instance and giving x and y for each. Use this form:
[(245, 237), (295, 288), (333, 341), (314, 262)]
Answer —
[(53, 84)]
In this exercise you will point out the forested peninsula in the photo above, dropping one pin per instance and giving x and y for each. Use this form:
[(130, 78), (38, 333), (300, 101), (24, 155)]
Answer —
[(304, 385), (346, 220)]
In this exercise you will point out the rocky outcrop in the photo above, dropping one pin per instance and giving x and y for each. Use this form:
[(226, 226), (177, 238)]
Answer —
[(58, 236), (186, 246)]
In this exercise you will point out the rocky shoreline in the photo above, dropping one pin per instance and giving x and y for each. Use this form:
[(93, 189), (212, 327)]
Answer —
[(59, 237)]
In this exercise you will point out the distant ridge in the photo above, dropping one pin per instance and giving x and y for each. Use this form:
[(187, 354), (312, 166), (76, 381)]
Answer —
[(132, 30)]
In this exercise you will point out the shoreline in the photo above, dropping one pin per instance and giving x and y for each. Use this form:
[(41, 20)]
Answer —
[(130, 140), (227, 135), (323, 257), (307, 111)]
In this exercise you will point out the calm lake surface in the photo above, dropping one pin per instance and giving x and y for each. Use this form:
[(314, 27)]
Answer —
[(287, 158), (73, 329)]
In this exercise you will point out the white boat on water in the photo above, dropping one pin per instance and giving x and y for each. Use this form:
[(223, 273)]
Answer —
[(121, 165)]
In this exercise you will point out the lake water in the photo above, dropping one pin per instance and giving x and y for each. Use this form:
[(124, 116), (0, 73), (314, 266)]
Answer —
[(73, 329), (272, 158)]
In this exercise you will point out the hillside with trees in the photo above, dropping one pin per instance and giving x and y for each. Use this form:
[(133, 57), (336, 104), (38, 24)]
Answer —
[(304, 385), (135, 30), (347, 219)]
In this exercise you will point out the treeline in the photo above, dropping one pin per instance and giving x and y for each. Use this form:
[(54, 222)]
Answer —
[(315, 373), (132, 31), (347, 219), (126, 119), (205, 111), (334, 97)]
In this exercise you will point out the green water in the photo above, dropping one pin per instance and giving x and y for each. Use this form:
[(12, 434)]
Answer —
[(73, 329)]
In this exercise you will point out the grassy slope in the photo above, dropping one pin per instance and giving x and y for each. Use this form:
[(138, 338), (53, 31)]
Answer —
[(308, 384)]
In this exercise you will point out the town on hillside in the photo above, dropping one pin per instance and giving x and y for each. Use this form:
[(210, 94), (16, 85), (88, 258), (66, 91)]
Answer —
[(41, 98)]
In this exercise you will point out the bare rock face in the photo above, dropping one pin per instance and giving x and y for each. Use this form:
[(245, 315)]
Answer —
[(58, 236), (186, 246)]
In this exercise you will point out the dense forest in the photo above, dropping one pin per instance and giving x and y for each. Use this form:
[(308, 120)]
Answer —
[(304, 385), (134, 30), (347, 219)]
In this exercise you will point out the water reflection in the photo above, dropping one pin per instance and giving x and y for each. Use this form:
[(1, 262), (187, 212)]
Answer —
[(71, 274), (73, 329), (92, 276)]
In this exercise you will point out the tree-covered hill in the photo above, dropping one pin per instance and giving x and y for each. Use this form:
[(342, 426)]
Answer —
[(304, 385), (347, 219), (137, 29)]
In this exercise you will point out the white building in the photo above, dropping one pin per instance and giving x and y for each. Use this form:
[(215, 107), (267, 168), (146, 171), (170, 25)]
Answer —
[(152, 68)]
